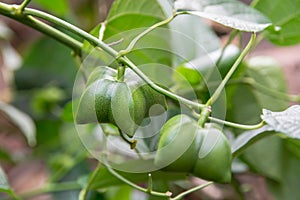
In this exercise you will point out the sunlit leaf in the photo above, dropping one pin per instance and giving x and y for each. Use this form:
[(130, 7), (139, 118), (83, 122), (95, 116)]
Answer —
[(229, 13)]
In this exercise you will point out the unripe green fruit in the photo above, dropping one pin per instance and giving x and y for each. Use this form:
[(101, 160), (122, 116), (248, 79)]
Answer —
[(122, 103), (186, 147)]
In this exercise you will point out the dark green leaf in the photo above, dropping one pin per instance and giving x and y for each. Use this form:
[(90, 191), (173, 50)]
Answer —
[(284, 14), (249, 137), (286, 122), (47, 62), (288, 186), (266, 157), (21, 120), (229, 13)]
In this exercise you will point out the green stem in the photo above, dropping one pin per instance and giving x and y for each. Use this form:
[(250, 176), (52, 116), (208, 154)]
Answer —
[(232, 124), (236, 125), (128, 182), (180, 196), (121, 72), (150, 184), (148, 30), (10, 11), (185, 101), (84, 192), (228, 42), (58, 187), (218, 91), (96, 42), (23, 5)]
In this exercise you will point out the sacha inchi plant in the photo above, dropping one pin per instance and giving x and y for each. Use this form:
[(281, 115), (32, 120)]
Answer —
[(156, 95)]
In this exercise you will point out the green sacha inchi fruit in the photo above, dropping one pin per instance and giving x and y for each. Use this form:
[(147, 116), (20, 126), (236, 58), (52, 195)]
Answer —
[(124, 104), (184, 146)]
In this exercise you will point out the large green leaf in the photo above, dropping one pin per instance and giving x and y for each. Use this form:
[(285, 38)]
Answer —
[(284, 14), (47, 62), (229, 13), (288, 187), (266, 157), (191, 39), (127, 19), (267, 72), (247, 104)]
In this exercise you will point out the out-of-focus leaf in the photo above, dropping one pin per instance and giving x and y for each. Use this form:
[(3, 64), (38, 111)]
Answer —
[(249, 137), (11, 58), (57, 7), (5, 32), (286, 122), (284, 14), (267, 72), (191, 39), (115, 193), (229, 13), (266, 157), (47, 62), (4, 186), (21, 120), (288, 186), (46, 100), (195, 69)]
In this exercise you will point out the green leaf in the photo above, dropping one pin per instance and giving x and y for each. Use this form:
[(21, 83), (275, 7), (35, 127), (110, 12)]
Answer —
[(284, 14), (288, 186), (21, 120), (286, 122), (115, 193), (266, 157), (55, 6), (231, 13), (191, 39), (249, 137), (47, 61), (201, 66), (267, 71), (127, 19)]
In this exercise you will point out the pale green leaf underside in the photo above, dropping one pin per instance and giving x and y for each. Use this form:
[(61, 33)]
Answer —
[(3, 181), (286, 122), (231, 13), (21, 120)]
